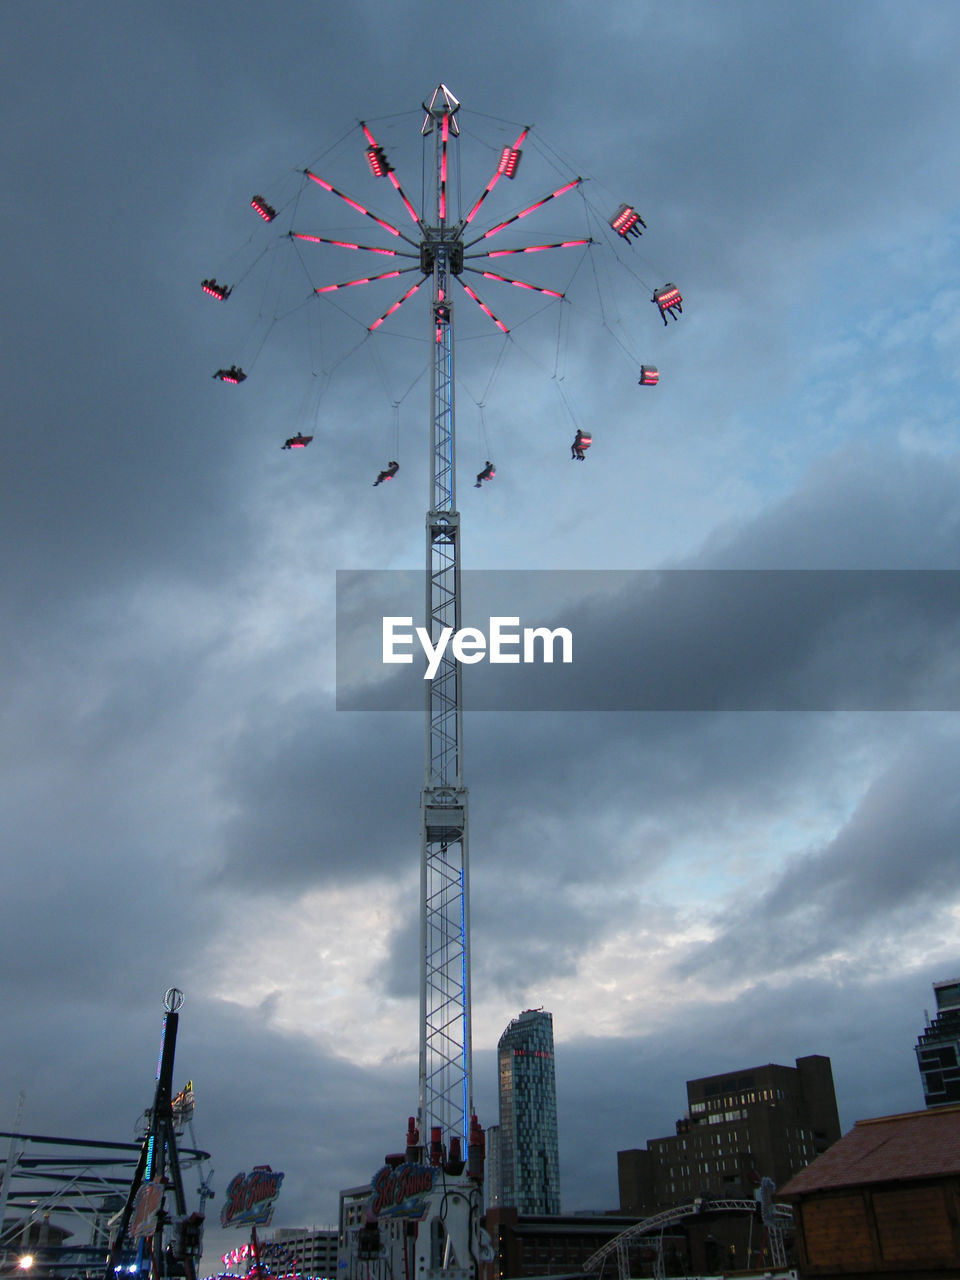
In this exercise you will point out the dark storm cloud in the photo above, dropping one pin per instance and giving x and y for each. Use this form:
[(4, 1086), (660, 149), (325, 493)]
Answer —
[(614, 803), (862, 507), (316, 802), (690, 640), (887, 870), (143, 754), (573, 803)]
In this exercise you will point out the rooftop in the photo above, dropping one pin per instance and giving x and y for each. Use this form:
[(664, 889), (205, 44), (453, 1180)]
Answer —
[(918, 1144)]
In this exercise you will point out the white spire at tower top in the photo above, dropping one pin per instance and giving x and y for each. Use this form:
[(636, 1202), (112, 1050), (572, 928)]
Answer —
[(443, 103)]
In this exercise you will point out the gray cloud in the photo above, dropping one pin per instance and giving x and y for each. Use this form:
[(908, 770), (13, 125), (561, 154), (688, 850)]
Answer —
[(172, 762), (884, 872)]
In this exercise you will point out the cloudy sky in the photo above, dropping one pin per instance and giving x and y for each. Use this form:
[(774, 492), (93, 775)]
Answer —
[(689, 890)]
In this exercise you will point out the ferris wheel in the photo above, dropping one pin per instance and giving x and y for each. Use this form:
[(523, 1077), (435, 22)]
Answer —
[(467, 262)]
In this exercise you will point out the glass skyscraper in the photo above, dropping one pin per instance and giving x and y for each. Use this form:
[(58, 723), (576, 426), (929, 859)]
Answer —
[(529, 1157)]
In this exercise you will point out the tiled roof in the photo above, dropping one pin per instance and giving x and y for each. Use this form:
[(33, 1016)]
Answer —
[(919, 1144)]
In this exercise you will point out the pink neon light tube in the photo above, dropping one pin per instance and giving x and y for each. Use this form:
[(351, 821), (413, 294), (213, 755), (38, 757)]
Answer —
[(396, 306), (493, 182), (485, 309), (354, 204), (346, 284)]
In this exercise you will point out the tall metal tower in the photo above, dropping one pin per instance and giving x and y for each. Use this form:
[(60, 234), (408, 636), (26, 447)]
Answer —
[(446, 1087), (434, 1208), (444, 248)]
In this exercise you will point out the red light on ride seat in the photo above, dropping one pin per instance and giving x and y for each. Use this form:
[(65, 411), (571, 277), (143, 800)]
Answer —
[(627, 222), (266, 211), (377, 161), (509, 159), (649, 375), (219, 291), (669, 300)]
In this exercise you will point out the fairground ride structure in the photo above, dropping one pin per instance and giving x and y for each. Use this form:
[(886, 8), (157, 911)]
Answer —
[(435, 1183), (51, 1186)]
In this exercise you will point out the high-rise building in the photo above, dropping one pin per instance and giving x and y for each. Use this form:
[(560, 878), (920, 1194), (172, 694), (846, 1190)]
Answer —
[(493, 1182), (740, 1127), (938, 1048), (529, 1155)]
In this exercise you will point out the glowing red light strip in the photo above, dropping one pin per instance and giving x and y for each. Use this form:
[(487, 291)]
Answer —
[(344, 244), (346, 284), (537, 248), (393, 177), (409, 207), (492, 183), (354, 204), (521, 284), (390, 310), (483, 307), (445, 133), (523, 212)]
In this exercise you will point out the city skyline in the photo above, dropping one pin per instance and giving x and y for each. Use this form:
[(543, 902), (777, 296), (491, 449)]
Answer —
[(183, 805)]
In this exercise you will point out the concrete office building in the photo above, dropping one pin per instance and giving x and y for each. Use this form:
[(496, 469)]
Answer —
[(313, 1251), (938, 1048)]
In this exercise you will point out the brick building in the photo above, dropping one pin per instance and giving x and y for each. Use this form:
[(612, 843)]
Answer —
[(884, 1201), (767, 1121)]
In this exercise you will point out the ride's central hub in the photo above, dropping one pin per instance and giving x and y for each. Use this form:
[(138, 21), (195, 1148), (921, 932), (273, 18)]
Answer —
[(453, 250)]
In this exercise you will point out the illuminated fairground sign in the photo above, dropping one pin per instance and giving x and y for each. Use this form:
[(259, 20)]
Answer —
[(146, 1208), (401, 1192), (250, 1198), (238, 1256)]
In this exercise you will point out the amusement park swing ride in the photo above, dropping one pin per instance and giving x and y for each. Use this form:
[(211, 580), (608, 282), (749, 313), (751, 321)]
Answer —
[(425, 1204), (422, 1214)]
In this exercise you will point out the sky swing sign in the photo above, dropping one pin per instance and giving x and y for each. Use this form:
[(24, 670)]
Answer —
[(401, 1191), (250, 1198)]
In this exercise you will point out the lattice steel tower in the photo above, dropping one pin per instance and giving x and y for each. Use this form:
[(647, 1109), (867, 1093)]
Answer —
[(446, 1090), (446, 1093), (436, 252)]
